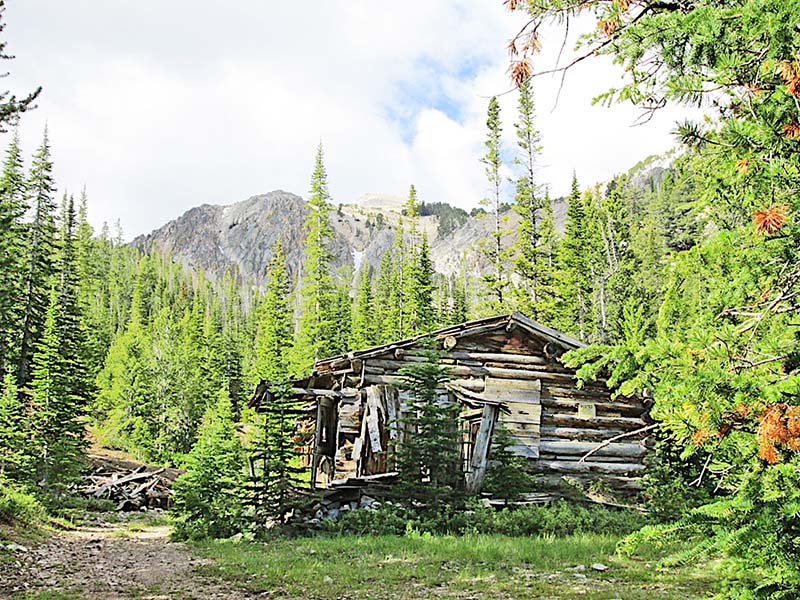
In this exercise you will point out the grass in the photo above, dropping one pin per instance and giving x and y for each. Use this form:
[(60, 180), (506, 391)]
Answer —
[(479, 566)]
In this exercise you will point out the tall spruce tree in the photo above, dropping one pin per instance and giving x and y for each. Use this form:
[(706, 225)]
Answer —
[(531, 261), (16, 452), (40, 267), (364, 329), (574, 286), (12, 250), (384, 326), (275, 328), (315, 333), (495, 281), (60, 387), (421, 291)]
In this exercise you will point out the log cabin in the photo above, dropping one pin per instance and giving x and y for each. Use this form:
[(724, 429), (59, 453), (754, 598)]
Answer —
[(503, 369)]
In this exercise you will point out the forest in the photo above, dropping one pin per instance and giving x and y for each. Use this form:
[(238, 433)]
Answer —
[(684, 281)]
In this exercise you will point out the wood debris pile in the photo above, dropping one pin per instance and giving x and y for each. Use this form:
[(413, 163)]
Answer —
[(139, 488)]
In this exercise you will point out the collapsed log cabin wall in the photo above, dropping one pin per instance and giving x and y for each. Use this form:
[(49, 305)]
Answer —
[(509, 362)]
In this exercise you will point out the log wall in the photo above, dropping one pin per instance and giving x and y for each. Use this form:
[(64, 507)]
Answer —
[(553, 422)]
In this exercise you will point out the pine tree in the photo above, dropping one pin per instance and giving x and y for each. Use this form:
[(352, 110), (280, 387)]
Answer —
[(209, 497), (429, 460), (60, 386), (384, 326), (40, 267), (315, 335), (232, 341), (495, 282), (364, 334), (574, 288), (57, 405), (396, 325), (275, 328), (12, 249), (10, 106), (276, 467), (531, 260), (422, 318), (15, 446), (342, 311)]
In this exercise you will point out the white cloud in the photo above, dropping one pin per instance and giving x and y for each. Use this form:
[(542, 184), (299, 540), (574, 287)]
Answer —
[(161, 106)]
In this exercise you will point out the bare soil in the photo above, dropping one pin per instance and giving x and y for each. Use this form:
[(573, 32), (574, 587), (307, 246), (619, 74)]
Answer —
[(110, 562)]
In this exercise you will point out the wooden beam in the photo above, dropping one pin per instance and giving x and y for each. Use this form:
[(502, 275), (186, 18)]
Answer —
[(318, 425), (323, 392), (480, 453)]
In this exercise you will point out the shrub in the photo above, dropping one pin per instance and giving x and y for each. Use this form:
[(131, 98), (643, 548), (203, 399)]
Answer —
[(209, 496), (17, 506), (558, 519)]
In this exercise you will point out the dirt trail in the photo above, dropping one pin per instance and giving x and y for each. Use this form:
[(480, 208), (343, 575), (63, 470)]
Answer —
[(113, 562)]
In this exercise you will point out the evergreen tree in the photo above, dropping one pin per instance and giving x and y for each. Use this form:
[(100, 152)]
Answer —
[(278, 474), (12, 250), (384, 325), (495, 281), (232, 341), (421, 291), (60, 386), (10, 106), (574, 288), (532, 262), (57, 405), (364, 330), (274, 334), (396, 325), (40, 267), (315, 333), (429, 460), (15, 442), (342, 312), (209, 497)]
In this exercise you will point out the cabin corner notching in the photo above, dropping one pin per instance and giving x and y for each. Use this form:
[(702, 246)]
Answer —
[(504, 372)]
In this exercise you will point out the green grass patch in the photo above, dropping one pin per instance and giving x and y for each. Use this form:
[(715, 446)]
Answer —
[(473, 566)]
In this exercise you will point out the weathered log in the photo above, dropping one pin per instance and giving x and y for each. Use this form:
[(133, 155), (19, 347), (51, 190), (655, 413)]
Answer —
[(577, 433), (385, 379), (625, 410), (624, 484), (527, 374), (346, 393), (559, 419), (604, 468), (579, 449), (591, 392)]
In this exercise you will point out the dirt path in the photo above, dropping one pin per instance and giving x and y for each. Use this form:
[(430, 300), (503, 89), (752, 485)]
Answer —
[(112, 562)]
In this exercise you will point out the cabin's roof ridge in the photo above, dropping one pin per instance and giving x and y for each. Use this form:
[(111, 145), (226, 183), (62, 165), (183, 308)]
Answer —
[(498, 321)]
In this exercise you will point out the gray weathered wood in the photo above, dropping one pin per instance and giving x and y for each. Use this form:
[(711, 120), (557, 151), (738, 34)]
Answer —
[(318, 427), (374, 410), (568, 448), (564, 466), (573, 421), (480, 453)]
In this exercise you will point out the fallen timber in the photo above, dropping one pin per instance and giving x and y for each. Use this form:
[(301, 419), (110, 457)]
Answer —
[(137, 488)]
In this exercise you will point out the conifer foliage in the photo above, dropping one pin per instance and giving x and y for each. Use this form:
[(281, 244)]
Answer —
[(429, 460), (316, 336), (209, 498)]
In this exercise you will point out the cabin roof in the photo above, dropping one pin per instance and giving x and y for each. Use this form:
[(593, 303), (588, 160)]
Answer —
[(327, 366), (464, 330)]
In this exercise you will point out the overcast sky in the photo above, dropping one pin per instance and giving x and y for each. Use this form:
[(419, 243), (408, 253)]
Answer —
[(157, 106)]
